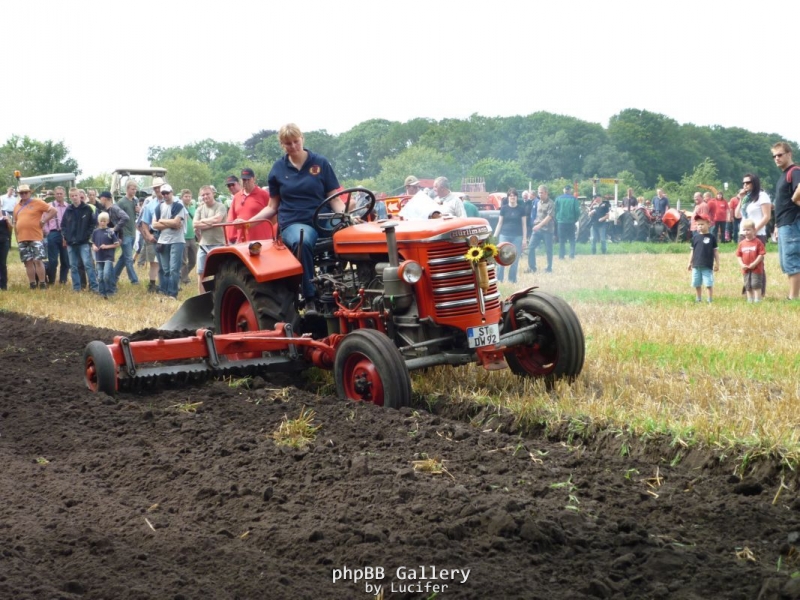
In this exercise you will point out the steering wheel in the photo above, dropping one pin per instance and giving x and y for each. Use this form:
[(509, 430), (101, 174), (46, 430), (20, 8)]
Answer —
[(326, 223)]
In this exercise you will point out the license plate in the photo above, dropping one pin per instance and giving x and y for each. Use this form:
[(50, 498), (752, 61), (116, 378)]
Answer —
[(486, 335)]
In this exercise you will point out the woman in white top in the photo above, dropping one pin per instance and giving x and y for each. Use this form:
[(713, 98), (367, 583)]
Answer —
[(755, 205)]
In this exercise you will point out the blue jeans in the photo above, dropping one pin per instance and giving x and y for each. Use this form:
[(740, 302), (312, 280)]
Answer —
[(56, 251), (566, 232), (105, 277), (512, 272), (599, 232), (291, 237), (170, 260), (126, 260), (5, 246), (81, 253), (547, 238)]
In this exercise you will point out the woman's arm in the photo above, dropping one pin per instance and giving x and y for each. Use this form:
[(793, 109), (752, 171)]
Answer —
[(766, 210), (269, 211)]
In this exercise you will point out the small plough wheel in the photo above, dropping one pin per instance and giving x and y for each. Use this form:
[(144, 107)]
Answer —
[(369, 368), (100, 370)]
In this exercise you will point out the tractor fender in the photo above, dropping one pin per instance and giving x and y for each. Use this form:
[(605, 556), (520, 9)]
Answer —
[(274, 260), (509, 302)]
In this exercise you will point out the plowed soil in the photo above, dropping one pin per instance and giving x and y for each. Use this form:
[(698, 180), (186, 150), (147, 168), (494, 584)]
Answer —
[(134, 498)]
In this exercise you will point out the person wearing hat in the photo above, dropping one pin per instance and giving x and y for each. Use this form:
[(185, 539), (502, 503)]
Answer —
[(128, 205), (598, 217), (245, 205), (412, 185), (568, 212), (29, 216), (169, 219), (234, 189), (150, 235), (704, 257)]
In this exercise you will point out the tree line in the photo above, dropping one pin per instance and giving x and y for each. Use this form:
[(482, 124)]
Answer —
[(643, 149)]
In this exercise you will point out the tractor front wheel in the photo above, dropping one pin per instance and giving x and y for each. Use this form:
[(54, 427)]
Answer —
[(368, 367), (100, 370), (559, 349)]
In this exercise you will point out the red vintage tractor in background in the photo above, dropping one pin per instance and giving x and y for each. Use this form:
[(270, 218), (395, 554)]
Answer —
[(395, 296)]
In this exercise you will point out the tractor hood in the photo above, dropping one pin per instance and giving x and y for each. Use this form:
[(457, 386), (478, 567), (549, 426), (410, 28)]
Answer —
[(429, 231)]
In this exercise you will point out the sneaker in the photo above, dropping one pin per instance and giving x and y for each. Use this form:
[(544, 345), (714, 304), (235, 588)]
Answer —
[(42, 285), (152, 288), (33, 285)]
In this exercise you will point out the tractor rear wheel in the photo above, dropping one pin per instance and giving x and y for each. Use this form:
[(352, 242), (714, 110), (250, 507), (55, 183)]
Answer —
[(683, 230), (559, 350), (642, 225), (369, 368), (100, 370), (628, 225), (584, 228), (242, 304)]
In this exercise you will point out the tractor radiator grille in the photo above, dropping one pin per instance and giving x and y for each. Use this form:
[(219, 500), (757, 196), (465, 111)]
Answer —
[(455, 289)]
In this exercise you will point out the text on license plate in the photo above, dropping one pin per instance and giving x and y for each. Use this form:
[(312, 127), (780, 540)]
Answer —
[(485, 335)]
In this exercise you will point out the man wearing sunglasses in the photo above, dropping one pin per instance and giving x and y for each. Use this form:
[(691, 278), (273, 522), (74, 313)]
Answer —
[(30, 214), (787, 215), (246, 205)]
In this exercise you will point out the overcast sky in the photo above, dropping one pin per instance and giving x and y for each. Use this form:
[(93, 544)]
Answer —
[(110, 79)]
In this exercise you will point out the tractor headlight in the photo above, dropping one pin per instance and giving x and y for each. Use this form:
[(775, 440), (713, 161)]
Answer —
[(410, 271), (506, 253)]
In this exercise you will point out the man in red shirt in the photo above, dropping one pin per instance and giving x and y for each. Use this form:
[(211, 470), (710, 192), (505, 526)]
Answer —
[(247, 204), (720, 216)]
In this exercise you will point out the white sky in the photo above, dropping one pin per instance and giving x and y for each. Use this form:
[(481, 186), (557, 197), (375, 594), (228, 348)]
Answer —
[(123, 76)]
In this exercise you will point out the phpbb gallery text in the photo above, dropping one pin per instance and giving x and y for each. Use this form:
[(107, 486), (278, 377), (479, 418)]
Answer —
[(425, 579)]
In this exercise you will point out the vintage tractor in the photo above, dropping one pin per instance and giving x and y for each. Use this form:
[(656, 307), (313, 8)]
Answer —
[(393, 296)]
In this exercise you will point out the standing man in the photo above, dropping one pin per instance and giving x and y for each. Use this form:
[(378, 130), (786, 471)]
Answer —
[(77, 227), (544, 225), (700, 208), (128, 205), (451, 204), (170, 221), (5, 246), (29, 216), (721, 214), (568, 212), (246, 205), (55, 241), (787, 215), (8, 201), (150, 235), (190, 249), (629, 202), (234, 189), (660, 203), (209, 213), (598, 215)]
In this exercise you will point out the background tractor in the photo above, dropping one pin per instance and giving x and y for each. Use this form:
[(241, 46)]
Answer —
[(394, 296)]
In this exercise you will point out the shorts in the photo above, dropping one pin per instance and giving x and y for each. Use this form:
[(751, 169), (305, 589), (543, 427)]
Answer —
[(149, 252), (202, 252), (702, 276), (29, 251), (789, 247), (753, 281)]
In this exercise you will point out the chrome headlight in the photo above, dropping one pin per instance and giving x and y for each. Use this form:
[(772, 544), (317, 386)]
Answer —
[(506, 253), (410, 271)]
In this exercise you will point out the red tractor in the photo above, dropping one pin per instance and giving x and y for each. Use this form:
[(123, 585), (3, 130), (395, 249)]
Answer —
[(395, 295)]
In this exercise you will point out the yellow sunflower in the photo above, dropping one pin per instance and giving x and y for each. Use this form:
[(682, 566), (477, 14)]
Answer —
[(474, 254), (489, 251)]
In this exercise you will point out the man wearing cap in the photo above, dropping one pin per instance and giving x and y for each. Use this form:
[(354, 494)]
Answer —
[(169, 219), (128, 205), (149, 234), (234, 189), (568, 211), (246, 205), (451, 204), (56, 250), (77, 227), (412, 185), (29, 216), (420, 205)]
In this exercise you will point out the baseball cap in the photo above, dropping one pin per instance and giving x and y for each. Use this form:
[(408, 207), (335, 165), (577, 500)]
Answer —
[(568, 188), (247, 174), (166, 188), (231, 179), (105, 195), (701, 217), (411, 180)]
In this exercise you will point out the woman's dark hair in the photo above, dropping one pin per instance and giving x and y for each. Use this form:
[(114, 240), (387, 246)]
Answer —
[(755, 186)]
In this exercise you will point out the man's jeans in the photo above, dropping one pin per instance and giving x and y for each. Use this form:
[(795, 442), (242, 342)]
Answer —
[(81, 253), (547, 238), (126, 260), (169, 268), (291, 237), (599, 233), (56, 251), (566, 232)]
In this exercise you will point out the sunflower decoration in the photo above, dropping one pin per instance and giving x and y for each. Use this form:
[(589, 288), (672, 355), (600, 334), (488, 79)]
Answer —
[(474, 254), (489, 251)]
